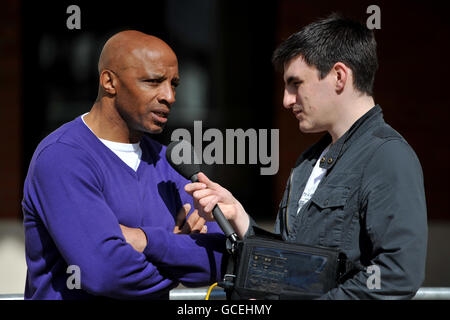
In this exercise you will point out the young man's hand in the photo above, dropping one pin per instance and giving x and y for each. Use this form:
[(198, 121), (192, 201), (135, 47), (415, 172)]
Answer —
[(208, 194)]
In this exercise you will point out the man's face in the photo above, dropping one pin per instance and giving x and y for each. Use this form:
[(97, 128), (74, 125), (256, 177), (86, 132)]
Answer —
[(309, 97), (146, 89)]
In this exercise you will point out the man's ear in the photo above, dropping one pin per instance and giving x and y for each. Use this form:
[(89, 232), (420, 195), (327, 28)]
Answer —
[(108, 81), (342, 76)]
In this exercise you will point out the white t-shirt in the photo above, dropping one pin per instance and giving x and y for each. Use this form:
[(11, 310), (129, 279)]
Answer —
[(313, 181), (130, 153)]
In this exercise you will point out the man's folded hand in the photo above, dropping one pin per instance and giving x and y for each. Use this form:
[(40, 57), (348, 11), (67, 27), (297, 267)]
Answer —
[(193, 224)]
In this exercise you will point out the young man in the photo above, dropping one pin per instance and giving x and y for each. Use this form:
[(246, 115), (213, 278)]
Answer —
[(358, 189), (100, 200)]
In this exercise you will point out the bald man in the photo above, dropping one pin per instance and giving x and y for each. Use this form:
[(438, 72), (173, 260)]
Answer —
[(105, 215)]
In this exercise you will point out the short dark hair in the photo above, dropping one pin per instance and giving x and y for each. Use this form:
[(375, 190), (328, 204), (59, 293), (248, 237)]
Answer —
[(330, 40)]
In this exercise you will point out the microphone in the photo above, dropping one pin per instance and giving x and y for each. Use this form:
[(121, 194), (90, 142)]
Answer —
[(187, 165)]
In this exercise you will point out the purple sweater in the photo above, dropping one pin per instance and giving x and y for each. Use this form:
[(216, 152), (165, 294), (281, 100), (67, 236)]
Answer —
[(76, 193)]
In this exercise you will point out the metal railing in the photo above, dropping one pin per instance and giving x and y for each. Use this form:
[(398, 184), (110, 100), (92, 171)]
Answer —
[(426, 293), (432, 293)]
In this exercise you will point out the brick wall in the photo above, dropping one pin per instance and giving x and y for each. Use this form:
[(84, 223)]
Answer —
[(10, 110)]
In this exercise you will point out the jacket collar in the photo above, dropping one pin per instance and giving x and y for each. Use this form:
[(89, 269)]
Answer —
[(356, 130)]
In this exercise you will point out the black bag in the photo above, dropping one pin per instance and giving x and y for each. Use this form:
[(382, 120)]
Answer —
[(266, 267)]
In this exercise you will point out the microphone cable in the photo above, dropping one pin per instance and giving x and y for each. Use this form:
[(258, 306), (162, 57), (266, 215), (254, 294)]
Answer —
[(209, 290)]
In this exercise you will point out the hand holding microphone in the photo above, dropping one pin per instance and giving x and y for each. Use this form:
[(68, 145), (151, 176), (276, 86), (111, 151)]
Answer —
[(209, 194), (209, 197)]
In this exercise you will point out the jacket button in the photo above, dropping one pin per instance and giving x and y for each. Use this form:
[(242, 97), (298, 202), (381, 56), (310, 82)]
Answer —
[(330, 160), (322, 160), (326, 202)]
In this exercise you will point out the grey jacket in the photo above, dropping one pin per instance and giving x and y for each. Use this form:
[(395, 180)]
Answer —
[(370, 205)]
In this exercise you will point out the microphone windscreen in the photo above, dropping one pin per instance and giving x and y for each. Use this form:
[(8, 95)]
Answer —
[(181, 156)]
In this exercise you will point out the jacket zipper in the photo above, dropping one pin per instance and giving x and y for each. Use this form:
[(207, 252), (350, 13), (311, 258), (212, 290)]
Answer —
[(287, 203)]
